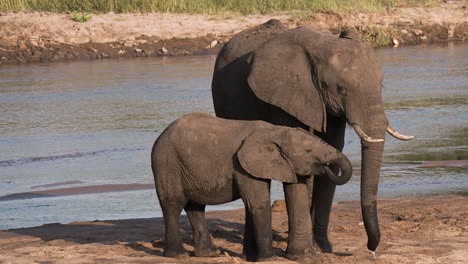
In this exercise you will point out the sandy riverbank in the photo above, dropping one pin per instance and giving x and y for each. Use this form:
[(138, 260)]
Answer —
[(414, 230), (30, 37)]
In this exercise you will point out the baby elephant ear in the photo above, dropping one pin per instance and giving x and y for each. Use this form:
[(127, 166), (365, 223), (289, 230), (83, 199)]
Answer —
[(266, 161)]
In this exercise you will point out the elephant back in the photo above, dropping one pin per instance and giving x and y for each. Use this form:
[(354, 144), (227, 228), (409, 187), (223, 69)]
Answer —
[(247, 41)]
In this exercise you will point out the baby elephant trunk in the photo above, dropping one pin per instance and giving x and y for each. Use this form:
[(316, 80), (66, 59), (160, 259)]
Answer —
[(344, 170)]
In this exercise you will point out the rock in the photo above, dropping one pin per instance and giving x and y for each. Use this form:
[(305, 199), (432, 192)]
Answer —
[(142, 41), (423, 37), (278, 206), (213, 44), (451, 31), (137, 50), (418, 32), (22, 44), (404, 31), (164, 51), (395, 42), (121, 52), (129, 43), (38, 43), (104, 55)]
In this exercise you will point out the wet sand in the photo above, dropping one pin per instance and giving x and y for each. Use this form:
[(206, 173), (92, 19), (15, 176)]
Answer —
[(414, 230), (104, 188)]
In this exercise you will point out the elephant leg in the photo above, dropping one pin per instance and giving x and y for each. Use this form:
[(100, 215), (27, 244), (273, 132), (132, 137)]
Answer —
[(256, 197), (204, 246), (250, 247), (324, 189), (323, 193), (171, 213), (299, 222)]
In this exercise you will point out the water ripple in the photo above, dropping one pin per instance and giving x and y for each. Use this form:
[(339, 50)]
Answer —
[(24, 161)]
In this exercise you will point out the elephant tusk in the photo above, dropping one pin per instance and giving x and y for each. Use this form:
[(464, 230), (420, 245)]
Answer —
[(397, 135), (364, 136)]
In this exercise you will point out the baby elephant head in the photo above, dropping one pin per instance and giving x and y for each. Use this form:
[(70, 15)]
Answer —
[(284, 154)]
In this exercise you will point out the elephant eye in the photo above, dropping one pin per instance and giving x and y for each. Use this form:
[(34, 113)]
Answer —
[(341, 90)]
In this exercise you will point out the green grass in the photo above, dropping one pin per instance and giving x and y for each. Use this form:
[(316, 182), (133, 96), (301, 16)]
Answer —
[(80, 16), (205, 6), (376, 36)]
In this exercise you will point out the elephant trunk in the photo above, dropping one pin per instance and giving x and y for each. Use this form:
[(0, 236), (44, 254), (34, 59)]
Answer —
[(344, 164), (371, 162)]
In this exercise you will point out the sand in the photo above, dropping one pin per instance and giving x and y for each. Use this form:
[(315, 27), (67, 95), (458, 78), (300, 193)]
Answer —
[(414, 230)]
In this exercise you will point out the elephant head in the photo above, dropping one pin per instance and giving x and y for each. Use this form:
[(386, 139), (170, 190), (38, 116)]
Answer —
[(282, 155), (311, 75)]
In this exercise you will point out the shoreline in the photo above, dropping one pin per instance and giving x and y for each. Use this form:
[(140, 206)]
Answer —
[(49, 37), (414, 230)]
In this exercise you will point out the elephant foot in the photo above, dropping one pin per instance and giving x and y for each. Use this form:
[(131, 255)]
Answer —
[(266, 256), (253, 256), (272, 258), (250, 253), (212, 251), (178, 252), (301, 255), (324, 245)]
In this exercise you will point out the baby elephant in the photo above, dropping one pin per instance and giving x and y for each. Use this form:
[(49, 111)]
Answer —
[(202, 160)]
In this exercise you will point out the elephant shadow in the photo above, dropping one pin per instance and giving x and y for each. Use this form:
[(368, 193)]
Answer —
[(144, 235)]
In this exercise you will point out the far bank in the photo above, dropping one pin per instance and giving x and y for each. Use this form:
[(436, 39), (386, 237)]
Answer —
[(48, 37)]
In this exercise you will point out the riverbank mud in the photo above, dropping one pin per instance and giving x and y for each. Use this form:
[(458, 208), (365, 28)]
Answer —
[(46, 37), (414, 230)]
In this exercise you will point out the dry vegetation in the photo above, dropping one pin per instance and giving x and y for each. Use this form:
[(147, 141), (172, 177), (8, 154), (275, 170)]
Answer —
[(207, 6)]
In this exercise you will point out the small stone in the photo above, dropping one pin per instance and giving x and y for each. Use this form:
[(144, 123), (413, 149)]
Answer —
[(418, 32), (128, 43), (395, 42), (164, 51), (4, 58), (142, 41), (137, 50), (404, 31), (213, 44), (22, 45), (423, 37), (278, 206), (121, 52), (104, 55), (451, 31)]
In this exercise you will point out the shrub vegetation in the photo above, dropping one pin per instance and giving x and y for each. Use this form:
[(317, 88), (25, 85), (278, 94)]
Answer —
[(205, 6)]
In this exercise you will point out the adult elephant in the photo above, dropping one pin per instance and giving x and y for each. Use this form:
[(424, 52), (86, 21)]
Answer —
[(305, 78)]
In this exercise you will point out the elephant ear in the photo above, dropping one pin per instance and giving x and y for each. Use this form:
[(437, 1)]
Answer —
[(265, 160), (281, 75)]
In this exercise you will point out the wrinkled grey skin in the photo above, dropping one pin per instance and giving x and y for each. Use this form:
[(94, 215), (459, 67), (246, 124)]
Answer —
[(200, 159), (305, 78)]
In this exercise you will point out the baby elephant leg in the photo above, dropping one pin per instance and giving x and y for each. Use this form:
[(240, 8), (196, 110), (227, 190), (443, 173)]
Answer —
[(300, 225), (171, 213), (204, 246), (256, 196)]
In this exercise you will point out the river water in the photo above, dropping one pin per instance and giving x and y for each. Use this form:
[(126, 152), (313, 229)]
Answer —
[(94, 122)]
